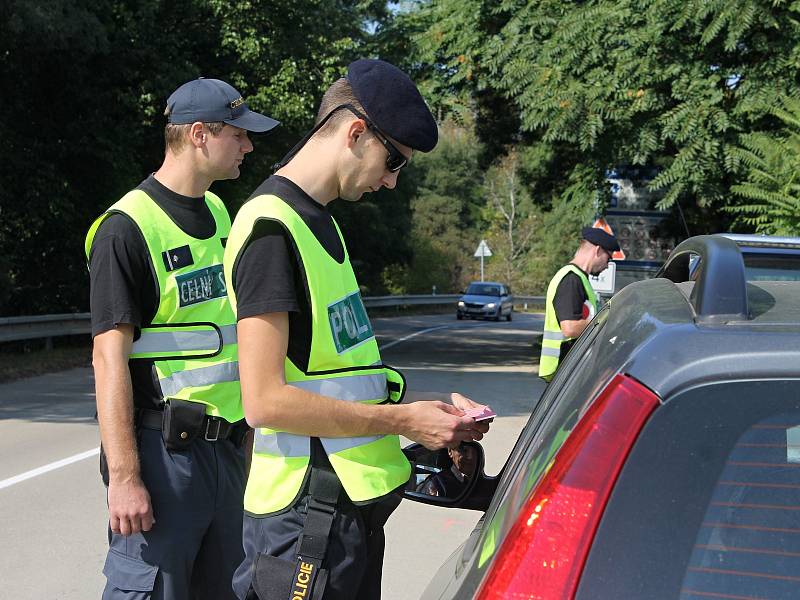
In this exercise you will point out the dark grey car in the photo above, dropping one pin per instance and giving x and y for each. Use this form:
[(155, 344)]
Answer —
[(663, 460), (486, 300)]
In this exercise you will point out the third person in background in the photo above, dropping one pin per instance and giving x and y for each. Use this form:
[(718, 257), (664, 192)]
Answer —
[(571, 303)]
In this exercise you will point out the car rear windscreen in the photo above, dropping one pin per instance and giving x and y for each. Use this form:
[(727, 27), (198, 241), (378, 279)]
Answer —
[(708, 503)]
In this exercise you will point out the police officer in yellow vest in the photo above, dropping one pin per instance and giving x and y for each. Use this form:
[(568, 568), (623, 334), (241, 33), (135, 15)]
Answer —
[(168, 396), (571, 302), (327, 464)]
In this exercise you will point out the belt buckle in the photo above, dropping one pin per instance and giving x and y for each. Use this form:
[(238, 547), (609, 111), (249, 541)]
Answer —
[(207, 436)]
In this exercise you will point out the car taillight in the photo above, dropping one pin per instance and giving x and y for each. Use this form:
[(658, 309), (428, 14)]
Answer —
[(543, 554)]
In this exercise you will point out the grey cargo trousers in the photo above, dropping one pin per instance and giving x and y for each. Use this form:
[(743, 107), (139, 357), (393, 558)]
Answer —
[(195, 544)]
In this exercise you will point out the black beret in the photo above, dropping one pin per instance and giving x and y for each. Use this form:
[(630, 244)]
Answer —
[(393, 103), (600, 237)]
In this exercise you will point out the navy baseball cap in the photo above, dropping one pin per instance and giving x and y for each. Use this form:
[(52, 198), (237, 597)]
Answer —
[(393, 103), (214, 101), (600, 237)]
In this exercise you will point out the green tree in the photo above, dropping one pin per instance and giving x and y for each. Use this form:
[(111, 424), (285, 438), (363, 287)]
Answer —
[(771, 190), (446, 215), (559, 234), (670, 83), (84, 89), (513, 220)]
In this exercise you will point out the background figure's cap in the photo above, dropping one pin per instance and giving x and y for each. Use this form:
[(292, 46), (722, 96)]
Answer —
[(600, 237), (393, 103), (214, 101)]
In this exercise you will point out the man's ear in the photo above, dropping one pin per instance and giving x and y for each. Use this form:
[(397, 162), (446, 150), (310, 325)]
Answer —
[(355, 129), (197, 134)]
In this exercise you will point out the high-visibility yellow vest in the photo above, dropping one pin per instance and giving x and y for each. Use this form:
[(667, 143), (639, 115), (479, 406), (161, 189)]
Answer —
[(553, 337), (344, 363), (192, 337)]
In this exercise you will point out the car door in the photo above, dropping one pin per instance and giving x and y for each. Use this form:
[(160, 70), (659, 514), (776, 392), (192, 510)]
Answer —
[(507, 300), (585, 371)]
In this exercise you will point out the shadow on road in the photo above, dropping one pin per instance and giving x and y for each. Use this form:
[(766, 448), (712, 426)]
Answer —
[(64, 397)]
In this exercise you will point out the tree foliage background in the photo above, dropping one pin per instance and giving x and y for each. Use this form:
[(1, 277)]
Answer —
[(536, 100), (84, 88)]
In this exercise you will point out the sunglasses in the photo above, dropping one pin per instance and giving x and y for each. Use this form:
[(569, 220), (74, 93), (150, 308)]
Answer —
[(396, 159), (394, 162)]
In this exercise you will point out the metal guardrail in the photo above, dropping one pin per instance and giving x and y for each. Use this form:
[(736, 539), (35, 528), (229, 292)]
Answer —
[(43, 326), (47, 327)]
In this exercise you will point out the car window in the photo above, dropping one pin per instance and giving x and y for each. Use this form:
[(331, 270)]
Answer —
[(480, 289), (771, 267), (708, 505), (749, 540), (565, 399)]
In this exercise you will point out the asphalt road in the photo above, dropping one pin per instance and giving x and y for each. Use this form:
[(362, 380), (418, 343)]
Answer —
[(52, 502)]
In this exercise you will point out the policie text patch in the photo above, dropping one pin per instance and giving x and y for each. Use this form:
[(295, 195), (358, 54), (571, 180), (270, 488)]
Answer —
[(349, 322), (201, 285)]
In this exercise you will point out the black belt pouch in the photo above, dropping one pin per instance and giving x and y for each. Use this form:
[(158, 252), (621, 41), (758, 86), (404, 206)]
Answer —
[(181, 423)]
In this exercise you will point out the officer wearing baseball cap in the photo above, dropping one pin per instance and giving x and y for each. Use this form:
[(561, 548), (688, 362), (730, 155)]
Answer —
[(211, 101), (168, 398), (327, 467), (571, 303)]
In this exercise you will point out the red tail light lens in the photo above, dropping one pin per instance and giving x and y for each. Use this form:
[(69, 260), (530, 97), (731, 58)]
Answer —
[(543, 554)]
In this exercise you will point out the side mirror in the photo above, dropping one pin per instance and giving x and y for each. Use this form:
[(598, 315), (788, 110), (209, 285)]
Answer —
[(444, 477)]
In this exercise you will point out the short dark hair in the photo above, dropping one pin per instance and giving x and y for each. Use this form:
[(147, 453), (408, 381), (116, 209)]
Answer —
[(175, 135), (338, 93)]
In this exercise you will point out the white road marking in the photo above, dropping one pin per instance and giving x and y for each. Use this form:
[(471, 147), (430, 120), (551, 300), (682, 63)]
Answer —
[(484, 324), (408, 337), (47, 468)]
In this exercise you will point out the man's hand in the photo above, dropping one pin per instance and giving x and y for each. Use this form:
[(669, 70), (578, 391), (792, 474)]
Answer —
[(464, 403), (129, 507), (438, 425)]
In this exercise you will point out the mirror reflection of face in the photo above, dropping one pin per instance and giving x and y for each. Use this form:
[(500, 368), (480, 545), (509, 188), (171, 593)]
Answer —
[(465, 459)]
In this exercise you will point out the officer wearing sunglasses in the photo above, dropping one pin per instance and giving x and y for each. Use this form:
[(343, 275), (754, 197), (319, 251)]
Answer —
[(327, 465)]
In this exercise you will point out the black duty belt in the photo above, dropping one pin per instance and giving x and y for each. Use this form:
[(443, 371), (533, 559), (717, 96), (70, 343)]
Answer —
[(214, 428)]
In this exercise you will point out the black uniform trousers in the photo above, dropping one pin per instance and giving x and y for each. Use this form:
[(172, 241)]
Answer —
[(196, 542), (355, 548)]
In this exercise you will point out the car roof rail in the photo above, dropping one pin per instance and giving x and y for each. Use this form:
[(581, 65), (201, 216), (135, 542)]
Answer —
[(715, 264), (763, 241)]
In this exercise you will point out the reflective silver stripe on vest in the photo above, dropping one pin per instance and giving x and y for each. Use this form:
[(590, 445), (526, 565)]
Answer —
[(555, 352), (221, 373), (290, 445), (163, 342), (353, 388), (282, 444), (554, 335), (333, 445)]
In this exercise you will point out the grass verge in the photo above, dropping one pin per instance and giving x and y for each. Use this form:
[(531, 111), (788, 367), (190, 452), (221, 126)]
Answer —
[(17, 363)]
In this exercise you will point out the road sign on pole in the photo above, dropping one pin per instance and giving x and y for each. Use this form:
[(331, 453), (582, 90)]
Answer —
[(481, 251)]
